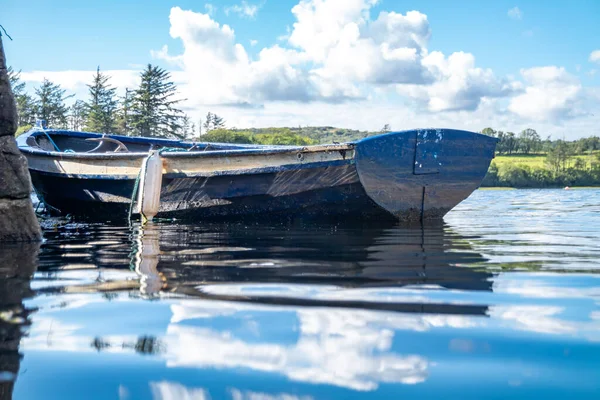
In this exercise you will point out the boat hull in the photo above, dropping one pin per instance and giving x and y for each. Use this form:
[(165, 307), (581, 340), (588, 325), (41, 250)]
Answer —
[(271, 196), (423, 174), (411, 175)]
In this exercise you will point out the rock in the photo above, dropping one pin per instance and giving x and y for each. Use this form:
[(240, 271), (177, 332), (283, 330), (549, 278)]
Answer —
[(8, 107), (18, 221), (15, 182)]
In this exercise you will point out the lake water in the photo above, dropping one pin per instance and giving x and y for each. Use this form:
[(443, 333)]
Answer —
[(500, 301)]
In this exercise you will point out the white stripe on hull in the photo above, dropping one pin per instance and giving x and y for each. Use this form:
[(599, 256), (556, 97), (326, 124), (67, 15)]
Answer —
[(199, 166)]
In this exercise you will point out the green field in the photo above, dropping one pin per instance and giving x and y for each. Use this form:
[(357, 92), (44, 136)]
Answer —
[(533, 171), (534, 160)]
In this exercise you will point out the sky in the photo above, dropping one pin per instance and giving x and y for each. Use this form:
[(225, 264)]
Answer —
[(357, 64)]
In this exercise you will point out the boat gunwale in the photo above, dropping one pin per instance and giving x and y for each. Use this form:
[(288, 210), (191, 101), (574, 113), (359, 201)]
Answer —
[(204, 174), (235, 150)]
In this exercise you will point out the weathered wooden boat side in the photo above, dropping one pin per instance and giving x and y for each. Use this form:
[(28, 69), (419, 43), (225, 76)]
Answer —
[(407, 175)]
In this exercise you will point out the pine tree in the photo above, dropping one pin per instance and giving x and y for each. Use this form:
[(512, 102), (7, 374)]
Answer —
[(213, 121), (187, 127), (124, 119), (50, 104), (208, 122), (218, 122), (77, 115), (102, 106), (153, 106), (25, 103), (14, 79), (26, 109)]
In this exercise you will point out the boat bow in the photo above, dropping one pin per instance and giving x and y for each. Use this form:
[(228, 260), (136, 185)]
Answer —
[(422, 174)]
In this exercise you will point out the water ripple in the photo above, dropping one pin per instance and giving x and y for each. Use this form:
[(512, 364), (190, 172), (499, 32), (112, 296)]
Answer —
[(500, 300)]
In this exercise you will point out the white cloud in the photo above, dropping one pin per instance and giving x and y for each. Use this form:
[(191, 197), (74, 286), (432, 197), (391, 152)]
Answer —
[(458, 84), (348, 48), (210, 9), (286, 36), (538, 288), (253, 42), (321, 25), (595, 56), (244, 9), (76, 81), (237, 394), (219, 71), (541, 319), (515, 13), (211, 56), (337, 53), (387, 51), (344, 348), (551, 93), (544, 319), (166, 390)]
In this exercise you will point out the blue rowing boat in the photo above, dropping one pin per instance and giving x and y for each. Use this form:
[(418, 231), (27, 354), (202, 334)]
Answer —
[(407, 175)]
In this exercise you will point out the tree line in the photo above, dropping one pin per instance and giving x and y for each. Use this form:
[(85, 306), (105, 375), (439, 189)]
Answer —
[(529, 141), (558, 170), (562, 163), (150, 110)]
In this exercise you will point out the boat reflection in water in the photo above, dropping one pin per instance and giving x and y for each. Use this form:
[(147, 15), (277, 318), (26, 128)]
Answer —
[(17, 265), (339, 286), (316, 304), (306, 267)]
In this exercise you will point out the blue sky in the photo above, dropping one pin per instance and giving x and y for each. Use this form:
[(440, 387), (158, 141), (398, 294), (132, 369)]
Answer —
[(560, 36)]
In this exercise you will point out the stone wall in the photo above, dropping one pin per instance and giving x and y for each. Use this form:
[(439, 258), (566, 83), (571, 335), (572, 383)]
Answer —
[(17, 218)]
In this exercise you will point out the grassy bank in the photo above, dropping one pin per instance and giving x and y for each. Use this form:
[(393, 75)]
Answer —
[(537, 171), (538, 160)]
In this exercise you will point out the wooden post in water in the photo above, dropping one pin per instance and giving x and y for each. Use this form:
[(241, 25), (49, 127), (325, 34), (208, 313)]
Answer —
[(17, 218)]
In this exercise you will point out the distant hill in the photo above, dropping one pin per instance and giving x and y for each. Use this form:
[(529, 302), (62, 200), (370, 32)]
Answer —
[(317, 134), (329, 134)]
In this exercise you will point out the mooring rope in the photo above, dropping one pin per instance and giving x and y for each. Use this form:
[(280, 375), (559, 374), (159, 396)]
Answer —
[(135, 189), (51, 141), (171, 150), (136, 246), (41, 201), (6, 33)]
